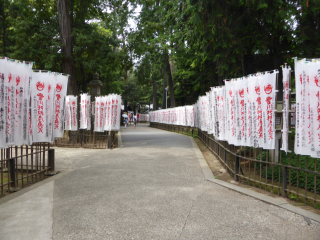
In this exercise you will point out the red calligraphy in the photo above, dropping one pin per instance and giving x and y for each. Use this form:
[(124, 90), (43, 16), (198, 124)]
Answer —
[(270, 117), (259, 114)]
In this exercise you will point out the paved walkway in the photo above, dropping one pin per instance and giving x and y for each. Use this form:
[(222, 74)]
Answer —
[(151, 188)]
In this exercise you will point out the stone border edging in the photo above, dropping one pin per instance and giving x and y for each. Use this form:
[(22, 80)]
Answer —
[(208, 175), (35, 185)]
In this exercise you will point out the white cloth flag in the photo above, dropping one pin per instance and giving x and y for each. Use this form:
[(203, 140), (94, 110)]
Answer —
[(97, 115), (114, 117), (236, 97), (268, 94), (314, 91), (83, 114), (231, 112), (50, 106), (3, 78), (108, 121), (106, 124), (247, 98), (210, 122), (220, 107), (242, 111), (195, 116), (67, 122), (74, 111), (26, 110), (204, 112), (20, 88), (302, 130), (39, 105), (60, 94), (10, 103), (256, 108), (88, 112), (118, 112), (285, 109), (102, 113)]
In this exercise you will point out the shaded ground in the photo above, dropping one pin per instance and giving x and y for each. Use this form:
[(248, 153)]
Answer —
[(216, 168)]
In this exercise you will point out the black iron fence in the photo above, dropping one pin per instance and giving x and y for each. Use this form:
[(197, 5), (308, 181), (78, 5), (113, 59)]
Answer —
[(87, 139), (24, 165), (288, 175)]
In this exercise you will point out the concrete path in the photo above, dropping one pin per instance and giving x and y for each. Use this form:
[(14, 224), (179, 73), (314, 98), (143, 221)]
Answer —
[(151, 188)]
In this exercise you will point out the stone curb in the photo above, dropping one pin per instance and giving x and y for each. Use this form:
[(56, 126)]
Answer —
[(267, 199), (34, 186)]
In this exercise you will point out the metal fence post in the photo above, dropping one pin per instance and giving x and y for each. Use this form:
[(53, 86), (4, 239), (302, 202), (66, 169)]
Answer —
[(284, 181), (236, 168), (51, 159), (12, 172), (109, 140)]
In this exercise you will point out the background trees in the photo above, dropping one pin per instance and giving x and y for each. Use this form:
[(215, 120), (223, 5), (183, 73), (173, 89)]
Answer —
[(185, 45)]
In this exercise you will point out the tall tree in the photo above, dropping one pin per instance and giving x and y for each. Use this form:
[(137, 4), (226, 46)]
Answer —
[(66, 45)]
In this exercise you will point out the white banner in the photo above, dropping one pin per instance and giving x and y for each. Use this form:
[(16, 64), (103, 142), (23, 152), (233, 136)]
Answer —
[(60, 93), (230, 112), (302, 130), (3, 113), (210, 122), (220, 108), (74, 112), (84, 111), (286, 72), (256, 108), (39, 104), (10, 103), (97, 114), (268, 94), (314, 87)]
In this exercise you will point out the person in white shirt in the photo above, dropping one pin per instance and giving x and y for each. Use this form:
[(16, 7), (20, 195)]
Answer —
[(135, 121)]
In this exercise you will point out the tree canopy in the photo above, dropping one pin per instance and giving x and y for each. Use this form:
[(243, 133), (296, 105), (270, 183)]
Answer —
[(185, 46)]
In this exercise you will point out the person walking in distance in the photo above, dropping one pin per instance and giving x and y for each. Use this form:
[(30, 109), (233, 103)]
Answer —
[(125, 122), (135, 121)]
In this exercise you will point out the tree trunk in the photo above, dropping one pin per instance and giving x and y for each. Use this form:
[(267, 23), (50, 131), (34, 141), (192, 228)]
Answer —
[(4, 16), (66, 45), (164, 94), (170, 80), (155, 97), (83, 78)]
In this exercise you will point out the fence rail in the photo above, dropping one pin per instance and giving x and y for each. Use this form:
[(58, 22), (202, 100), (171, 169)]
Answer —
[(87, 139), (24, 165), (290, 176)]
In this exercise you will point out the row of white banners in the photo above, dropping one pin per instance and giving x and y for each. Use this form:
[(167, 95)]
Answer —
[(31, 104), (243, 111), (106, 113), (143, 117), (34, 106)]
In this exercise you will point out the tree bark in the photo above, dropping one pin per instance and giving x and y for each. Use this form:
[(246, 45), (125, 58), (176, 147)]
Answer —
[(164, 95), (155, 97), (4, 17), (83, 78), (170, 80), (66, 45)]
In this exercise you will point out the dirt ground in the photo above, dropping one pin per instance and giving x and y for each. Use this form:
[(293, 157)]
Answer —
[(220, 173)]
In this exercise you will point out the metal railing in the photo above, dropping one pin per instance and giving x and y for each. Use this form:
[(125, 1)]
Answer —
[(87, 139), (24, 165), (291, 176)]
